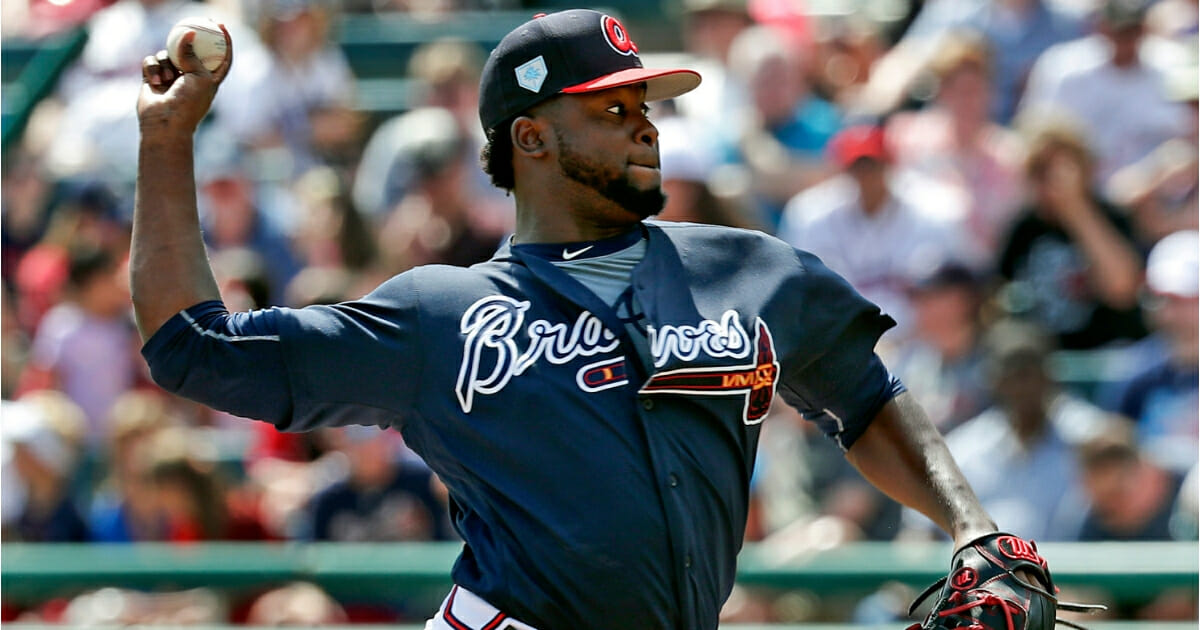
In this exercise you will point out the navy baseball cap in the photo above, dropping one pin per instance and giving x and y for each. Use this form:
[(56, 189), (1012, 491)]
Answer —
[(568, 52)]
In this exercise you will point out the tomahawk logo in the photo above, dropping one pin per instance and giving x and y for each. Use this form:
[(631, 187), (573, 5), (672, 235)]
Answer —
[(492, 356), (755, 380)]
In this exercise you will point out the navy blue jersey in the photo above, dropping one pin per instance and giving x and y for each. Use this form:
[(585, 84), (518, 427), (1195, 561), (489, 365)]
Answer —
[(582, 481)]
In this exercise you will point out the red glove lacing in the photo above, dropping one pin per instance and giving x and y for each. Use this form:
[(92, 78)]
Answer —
[(982, 598)]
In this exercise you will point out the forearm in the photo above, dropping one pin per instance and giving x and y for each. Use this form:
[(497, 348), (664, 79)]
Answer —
[(169, 268), (1113, 267), (903, 455)]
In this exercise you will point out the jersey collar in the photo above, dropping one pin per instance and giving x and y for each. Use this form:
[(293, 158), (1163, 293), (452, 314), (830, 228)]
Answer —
[(570, 252)]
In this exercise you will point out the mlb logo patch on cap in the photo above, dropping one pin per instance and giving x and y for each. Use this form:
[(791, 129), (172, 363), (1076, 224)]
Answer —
[(569, 52), (532, 73)]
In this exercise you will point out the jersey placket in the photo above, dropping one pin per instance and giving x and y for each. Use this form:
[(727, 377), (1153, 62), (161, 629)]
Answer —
[(681, 542)]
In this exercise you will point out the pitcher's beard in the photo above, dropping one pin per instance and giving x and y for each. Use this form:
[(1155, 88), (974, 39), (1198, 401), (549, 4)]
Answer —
[(609, 182)]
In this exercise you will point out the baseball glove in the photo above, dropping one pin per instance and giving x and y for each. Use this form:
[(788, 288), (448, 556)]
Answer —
[(984, 592)]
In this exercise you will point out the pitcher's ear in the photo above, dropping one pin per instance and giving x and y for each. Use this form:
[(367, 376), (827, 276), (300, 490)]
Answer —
[(527, 135)]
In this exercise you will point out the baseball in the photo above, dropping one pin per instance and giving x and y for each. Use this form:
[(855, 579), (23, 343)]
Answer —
[(209, 42)]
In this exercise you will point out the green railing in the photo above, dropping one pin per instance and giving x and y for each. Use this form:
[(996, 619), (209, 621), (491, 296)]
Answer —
[(420, 571)]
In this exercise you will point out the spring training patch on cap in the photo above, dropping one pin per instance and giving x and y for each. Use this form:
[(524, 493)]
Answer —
[(532, 74)]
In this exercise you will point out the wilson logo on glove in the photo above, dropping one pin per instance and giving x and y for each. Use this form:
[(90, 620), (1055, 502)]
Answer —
[(1019, 549), (965, 578)]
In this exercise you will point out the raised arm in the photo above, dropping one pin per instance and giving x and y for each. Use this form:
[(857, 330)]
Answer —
[(169, 269), (903, 455)]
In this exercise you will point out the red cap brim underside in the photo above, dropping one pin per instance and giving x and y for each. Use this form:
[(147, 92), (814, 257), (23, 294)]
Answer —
[(660, 84)]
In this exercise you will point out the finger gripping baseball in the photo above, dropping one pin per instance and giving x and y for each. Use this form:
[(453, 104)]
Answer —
[(984, 592)]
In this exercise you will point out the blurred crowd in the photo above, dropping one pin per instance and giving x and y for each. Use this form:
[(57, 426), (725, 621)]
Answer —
[(1014, 181)]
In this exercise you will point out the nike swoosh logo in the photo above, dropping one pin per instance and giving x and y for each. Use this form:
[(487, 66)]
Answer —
[(567, 255)]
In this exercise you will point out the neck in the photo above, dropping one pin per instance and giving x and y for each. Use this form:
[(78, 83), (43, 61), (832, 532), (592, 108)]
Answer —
[(1028, 421), (956, 342), (966, 130), (567, 219), (873, 201)]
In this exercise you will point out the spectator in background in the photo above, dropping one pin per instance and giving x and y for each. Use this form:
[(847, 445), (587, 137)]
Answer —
[(309, 104), (846, 47), (1111, 85), (86, 346), (237, 214), (15, 343), (1018, 31), (446, 72), (709, 28), (1070, 259), (112, 607), (39, 461), (124, 508), (332, 234), (80, 216), (1019, 455), (954, 141), (26, 197), (296, 604), (383, 498), (867, 227), (1162, 190), (780, 135), (688, 165), (943, 364), (97, 134), (242, 277), (1130, 497), (191, 495), (437, 220), (1162, 397)]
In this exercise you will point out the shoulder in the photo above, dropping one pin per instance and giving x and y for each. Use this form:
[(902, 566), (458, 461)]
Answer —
[(821, 201), (446, 281), (699, 239), (926, 205), (979, 433), (685, 232), (1074, 58), (1076, 420)]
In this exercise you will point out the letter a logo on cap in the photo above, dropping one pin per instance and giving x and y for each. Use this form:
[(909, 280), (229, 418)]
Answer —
[(617, 36), (532, 74)]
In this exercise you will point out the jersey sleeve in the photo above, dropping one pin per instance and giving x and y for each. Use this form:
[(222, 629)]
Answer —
[(299, 369), (835, 379)]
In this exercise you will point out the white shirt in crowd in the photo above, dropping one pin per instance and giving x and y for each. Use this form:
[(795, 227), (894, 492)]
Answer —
[(879, 255), (1125, 112)]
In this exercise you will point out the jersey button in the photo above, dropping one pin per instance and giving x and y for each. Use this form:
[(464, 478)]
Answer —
[(687, 561), (673, 480), (647, 404)]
